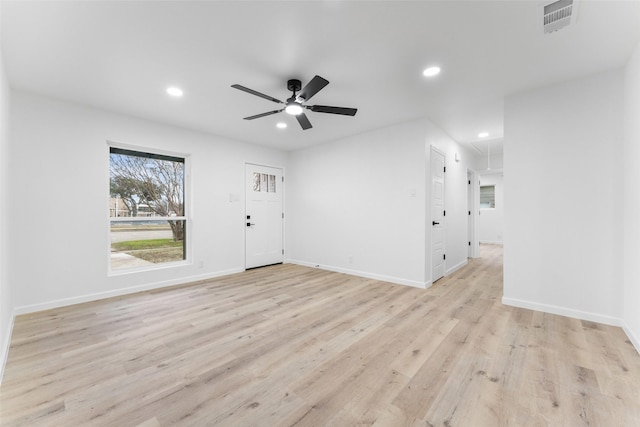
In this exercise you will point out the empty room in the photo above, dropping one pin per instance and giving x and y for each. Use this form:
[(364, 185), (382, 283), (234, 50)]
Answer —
[(279, 213)]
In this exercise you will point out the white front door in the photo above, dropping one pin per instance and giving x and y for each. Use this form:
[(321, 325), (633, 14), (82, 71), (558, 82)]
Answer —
[(263, 216), (437, 214)]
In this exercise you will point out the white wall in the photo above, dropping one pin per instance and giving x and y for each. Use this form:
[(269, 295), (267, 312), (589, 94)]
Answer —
[(59, 180), (632, 199), (6, 296), (563, 217), (491, 220), (360, 204), (357, 205)]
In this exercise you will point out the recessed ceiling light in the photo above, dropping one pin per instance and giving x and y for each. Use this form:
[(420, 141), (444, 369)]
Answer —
[(175, 91), (281, 125), (431, 71), (483, 134)]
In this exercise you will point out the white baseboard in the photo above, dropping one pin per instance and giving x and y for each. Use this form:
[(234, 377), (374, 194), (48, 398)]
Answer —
[(577, 314), (5, 347), (367, 275), (456, 267), (25, 309), (635, 340), (118, 292), (563, 311)]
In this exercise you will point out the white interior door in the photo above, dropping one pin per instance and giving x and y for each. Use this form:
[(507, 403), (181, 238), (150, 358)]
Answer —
[(437, 214), (263, 216)]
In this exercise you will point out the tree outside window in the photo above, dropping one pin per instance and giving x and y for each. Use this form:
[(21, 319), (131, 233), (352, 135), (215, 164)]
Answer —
[(146, 210)]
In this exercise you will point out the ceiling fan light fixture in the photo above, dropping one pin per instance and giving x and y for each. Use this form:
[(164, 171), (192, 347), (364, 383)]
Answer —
[(293, 108)]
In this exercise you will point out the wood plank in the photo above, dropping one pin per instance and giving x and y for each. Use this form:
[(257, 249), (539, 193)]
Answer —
[(289, 345)]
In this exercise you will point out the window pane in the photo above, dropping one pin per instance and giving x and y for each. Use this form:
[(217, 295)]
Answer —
[(272, 183), (256, 181), (264, 186), (488, 196), (145, 243), (145, 185), (150, 188)]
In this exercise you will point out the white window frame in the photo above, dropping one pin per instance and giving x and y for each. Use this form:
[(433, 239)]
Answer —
[(188, 259), (494, 197)]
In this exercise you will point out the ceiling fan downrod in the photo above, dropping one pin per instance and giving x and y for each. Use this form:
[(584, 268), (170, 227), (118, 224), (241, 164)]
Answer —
[(293, 106)]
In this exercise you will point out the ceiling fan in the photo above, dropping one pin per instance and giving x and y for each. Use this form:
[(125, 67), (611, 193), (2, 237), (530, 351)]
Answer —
[(295, 104)]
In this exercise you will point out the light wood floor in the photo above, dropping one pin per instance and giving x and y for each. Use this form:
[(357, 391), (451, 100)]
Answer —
[(288, 345)]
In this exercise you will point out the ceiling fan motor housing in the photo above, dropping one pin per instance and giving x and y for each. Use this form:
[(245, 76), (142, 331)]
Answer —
[(294, 85)]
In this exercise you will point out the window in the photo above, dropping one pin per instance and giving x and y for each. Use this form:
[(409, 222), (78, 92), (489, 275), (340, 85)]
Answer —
[(263, 182), (146, 209), (487, 196)]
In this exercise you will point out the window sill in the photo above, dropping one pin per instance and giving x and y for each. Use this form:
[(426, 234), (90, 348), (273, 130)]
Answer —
[(146, 268)]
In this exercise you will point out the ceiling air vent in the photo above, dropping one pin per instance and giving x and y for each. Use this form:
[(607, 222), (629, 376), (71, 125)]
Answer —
[(559, 14)]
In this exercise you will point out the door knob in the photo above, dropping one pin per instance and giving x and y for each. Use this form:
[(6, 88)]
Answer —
[(435, 223), (249, 224)]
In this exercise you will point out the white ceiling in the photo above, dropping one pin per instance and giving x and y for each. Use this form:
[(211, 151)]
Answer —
[(121, 56), (489, 146)]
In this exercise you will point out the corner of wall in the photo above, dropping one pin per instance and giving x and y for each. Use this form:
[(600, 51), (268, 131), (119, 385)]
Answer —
[(631, 200), (635, 339), (6, 297), (6, 343)]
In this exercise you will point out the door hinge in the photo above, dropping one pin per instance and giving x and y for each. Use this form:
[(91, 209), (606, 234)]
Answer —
[(469, 182), (283, 252), (283, 179), (444, 256), (469, 243), (282, 215), (445, 169), (444, 213), (469, 212)]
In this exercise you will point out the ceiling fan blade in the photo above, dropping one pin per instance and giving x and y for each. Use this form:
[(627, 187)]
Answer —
[(304, 121), (333, 110), (256, 93), (313, 87), (268, 113)]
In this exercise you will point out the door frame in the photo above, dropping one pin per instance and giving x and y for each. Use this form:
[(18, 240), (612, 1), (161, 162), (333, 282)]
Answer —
[(431, 219), (244, 216), (473, 205)]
